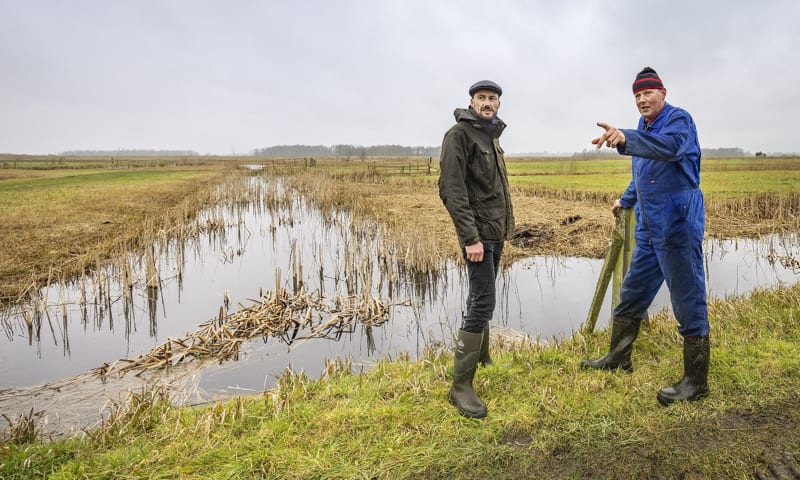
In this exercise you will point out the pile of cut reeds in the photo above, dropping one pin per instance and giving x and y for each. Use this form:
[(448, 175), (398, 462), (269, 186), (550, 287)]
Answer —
[(277, 313)]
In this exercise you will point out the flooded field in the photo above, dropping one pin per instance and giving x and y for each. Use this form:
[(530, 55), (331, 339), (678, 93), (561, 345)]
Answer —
[(127, 310)]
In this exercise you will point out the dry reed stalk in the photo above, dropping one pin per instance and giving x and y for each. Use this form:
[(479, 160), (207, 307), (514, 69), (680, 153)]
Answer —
[(21, 430), (28, 317), (278, 314), (150, 268), (787, 261), (139, 412)]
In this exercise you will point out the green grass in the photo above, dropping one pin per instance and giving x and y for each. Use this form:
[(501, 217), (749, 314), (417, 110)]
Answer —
[(85, 183), (721, 178), (567, 166), (547, 418), (9, 163), (736, 184), (599, 182)]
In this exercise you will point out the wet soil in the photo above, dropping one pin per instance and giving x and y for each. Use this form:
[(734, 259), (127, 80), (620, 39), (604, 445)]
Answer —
[(761, 443), (544, 225)]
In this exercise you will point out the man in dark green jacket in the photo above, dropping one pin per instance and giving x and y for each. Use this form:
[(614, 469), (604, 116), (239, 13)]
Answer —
[(473, 184)]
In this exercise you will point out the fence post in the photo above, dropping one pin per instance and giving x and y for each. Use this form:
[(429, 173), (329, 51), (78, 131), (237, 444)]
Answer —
[(624, 263), (615, 265)]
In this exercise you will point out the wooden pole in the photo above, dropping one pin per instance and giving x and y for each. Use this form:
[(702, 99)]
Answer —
[(609, 265), (624, 261), (616, 265), (630, 240)]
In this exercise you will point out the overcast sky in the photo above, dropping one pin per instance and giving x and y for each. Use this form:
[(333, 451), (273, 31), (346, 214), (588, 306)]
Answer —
[(225, 77)]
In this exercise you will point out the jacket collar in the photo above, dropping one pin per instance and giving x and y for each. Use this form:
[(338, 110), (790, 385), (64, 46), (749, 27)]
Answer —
[(664, 113), (493, 128)]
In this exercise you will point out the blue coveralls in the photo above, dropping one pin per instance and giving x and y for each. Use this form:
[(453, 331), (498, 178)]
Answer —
[(670, 216)]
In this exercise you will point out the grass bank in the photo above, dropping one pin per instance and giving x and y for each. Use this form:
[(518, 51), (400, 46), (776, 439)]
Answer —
[(547, 418)]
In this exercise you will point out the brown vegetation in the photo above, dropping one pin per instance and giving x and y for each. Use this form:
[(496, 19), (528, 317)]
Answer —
[(55, 239), (278, 313)]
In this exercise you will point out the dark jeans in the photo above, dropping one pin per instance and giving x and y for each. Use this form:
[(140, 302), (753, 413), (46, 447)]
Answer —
[(482, 297)]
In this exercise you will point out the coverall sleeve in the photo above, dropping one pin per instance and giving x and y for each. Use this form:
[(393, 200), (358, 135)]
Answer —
[(628, 198), (669, 144)]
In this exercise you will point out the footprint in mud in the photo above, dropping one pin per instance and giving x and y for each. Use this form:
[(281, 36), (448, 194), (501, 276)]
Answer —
[(783, 467)]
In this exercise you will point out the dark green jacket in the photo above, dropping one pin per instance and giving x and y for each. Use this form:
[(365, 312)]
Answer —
[(473, 182)]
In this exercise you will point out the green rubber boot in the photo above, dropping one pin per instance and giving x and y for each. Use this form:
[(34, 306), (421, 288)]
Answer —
[(466, 362)]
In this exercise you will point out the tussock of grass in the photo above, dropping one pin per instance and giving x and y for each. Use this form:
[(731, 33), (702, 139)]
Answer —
[(547, 418)]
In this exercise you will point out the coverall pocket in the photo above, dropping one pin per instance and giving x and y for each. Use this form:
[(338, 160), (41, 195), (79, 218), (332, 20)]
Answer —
[(678, 227)]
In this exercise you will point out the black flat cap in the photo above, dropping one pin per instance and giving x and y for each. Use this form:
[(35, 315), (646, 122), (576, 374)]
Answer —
[(485, 85)]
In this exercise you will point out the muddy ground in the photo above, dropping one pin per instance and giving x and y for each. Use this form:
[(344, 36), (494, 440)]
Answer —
[(762, 442), (544, 226)]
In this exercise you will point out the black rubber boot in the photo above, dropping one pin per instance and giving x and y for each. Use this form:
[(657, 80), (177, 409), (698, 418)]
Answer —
[(694, 384), (484, 358), (466, 362), (623, 333)]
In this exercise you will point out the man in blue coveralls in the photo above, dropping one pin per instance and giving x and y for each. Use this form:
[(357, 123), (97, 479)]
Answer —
[(670, 215)]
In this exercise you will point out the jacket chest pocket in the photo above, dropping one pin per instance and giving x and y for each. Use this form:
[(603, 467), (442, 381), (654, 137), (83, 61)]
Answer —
[(486, 165), (498, 147)]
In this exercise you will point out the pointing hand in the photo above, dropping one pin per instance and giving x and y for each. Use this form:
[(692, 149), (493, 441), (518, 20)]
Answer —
[(612, 136)]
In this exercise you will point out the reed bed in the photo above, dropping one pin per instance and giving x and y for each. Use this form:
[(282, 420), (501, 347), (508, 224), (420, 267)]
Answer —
[(144, 221), (278, 313), (415, 246), (90, 232), (99, 273)]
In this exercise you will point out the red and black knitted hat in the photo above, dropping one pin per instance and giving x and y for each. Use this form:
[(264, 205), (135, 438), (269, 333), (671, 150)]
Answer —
[(647, 79)]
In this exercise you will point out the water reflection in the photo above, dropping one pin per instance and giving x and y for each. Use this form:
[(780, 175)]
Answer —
[(130, 308)]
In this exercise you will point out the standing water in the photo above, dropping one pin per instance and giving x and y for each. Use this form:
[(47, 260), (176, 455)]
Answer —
[(128, 309)]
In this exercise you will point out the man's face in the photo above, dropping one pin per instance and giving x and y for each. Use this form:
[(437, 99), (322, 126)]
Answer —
[(650, 102), (486, 103)]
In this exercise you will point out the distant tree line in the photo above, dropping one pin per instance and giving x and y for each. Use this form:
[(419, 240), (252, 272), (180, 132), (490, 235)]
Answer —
[(129, 153), (345, 151), (595, 153), (342, 150), (724, 152)]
